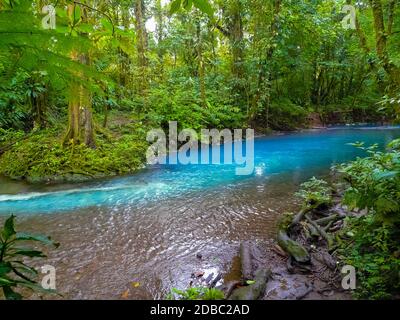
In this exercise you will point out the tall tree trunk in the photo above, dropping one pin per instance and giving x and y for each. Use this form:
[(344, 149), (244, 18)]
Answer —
[(80, 100), (392, 8), (159, 17), (236, 35), (141, 45), (124, 59), (270, 53), (201, 64), (381, 44), (86, 105)]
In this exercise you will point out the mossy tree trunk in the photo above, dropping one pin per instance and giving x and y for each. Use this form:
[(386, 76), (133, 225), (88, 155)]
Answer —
[(202, 69), (160, 34), (80, 100), (381, 38), (141, 46)]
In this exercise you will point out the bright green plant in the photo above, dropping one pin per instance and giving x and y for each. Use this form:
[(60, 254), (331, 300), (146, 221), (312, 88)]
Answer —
[(196, 293), (315, 193), (14, 271)]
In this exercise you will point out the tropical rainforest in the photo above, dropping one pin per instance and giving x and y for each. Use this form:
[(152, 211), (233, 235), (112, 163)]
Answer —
[(82, 82)]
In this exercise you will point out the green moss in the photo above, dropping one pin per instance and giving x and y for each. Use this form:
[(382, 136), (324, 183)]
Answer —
[(42, 157)]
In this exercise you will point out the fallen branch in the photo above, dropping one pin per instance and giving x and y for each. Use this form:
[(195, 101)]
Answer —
[(246, 261), (293, 248)]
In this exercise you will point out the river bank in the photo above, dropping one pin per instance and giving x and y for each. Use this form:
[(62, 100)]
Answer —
[(41, 158), (308, 268)]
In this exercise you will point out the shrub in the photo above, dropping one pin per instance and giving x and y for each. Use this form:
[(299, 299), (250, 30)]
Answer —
[(374, 185), (196, 293)]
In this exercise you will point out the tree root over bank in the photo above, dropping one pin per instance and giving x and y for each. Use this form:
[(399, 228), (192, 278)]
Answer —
[(302, 265)]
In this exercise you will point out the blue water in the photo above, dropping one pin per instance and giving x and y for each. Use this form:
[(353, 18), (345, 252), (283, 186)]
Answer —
[(299, 154)]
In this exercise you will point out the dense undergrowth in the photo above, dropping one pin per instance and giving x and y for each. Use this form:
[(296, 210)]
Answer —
[(42, 157), (373, 185)]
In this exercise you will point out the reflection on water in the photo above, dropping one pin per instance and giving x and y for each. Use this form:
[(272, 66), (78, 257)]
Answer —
[(148, 228)]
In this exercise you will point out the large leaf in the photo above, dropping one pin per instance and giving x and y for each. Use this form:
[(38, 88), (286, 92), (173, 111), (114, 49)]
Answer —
[(187, 4), (5, 268), (62, 13), (77, 14), (29, 253), (8, 229), (5, 281), (22, 236), (204, 6), (107, 25), (10, 294), (20, 266), (37, 288), (175, 6)]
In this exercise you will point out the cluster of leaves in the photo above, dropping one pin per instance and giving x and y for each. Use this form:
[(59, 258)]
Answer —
[(14, 272), (391, 103), (14, 112), (10, 135), (202, 5), (42, 157), (188, 112), (285, 115), (374, 185), (315, 193), (196, 293)]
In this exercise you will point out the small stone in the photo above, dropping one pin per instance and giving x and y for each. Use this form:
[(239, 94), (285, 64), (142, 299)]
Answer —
[(199, 256), (198, 274)]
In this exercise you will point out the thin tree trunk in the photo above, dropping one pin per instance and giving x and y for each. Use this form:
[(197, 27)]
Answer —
[(392, 8), (381, 44), (141, 45), (201, 65)]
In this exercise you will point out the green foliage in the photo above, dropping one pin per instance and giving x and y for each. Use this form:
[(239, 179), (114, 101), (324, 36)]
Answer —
[(315, 193), (285, 115), (196, 293), (14, 270), (188, 112), (374, 252), (42, 157), (7, 136), (203, 5), (374, 185)]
